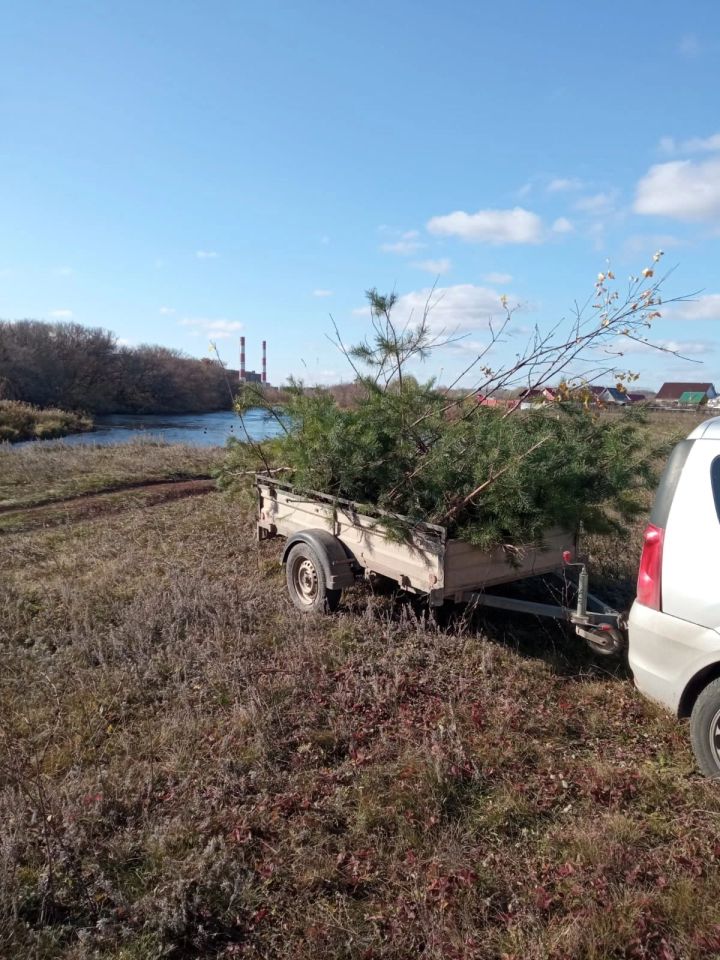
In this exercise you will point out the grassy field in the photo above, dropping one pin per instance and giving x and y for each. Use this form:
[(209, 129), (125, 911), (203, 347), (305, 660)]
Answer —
[(40, 474), (189, 768)]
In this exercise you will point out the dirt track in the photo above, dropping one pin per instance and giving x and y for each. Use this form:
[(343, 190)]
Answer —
[(88, 505)]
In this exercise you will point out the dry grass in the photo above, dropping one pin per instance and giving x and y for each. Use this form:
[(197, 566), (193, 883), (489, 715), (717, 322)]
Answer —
[(189, 768), (46, 473), (23, 421)]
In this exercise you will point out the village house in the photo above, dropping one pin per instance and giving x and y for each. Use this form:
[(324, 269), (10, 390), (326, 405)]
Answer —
[(538, 396), (685, 394), (601, 395)]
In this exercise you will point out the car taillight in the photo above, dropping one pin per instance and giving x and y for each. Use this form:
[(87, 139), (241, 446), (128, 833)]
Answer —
[(650, 575)]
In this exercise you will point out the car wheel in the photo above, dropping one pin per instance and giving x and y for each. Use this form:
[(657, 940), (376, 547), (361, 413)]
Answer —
[(306, 582), (705, 729)]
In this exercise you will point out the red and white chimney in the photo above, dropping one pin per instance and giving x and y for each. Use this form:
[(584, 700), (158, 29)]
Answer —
[(264, 362), (242, 358)]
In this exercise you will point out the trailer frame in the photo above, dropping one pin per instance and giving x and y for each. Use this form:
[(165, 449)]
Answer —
[(346, 542)]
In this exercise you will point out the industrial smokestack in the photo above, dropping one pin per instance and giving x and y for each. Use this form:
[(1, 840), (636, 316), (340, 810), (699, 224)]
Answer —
[(242, 358), (264, 366)]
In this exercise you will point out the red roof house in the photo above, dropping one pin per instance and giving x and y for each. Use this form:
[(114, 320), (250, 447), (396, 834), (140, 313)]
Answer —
[(671, 392)]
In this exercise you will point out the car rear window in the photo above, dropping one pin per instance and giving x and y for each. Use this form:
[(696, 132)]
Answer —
[(715, 481), (668, 483)]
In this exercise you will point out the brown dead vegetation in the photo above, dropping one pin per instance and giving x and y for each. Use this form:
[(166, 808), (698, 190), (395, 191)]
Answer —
[(188, 768), (86, 505)]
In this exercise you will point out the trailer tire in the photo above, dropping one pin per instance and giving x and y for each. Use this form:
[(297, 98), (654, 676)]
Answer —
[(607, 643), (705, 730), (307, 583)]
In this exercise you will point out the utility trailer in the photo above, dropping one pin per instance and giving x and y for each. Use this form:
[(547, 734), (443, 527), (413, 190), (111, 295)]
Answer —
[(331, 543)]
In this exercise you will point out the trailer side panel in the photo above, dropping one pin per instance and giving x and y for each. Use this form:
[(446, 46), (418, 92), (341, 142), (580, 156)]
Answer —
[(417, 565), (426, 562), (469, 568)]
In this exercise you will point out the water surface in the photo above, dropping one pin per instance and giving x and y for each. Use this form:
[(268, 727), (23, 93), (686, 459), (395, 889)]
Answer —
[(201, 429)]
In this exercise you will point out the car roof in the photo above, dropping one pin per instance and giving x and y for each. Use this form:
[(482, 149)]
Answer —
[(710, 430)]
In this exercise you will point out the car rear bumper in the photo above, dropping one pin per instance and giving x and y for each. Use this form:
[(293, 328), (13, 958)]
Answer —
[(665, 653)]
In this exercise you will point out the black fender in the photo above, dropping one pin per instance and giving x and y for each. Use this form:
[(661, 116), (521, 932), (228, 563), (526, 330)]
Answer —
[(338, 563)]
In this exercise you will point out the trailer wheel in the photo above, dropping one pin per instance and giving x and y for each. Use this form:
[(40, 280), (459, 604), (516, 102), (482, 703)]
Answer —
[(705, 730), (607, 641), (306, 581)]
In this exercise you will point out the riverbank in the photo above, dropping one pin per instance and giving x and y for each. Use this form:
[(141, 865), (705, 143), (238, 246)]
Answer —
[(22, 421), (189, 767)]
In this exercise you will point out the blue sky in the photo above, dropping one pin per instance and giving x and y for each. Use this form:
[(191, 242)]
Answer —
[(186, 170)]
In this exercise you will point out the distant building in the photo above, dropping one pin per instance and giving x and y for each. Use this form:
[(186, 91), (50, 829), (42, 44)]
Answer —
[(536, 397), (671, 393), (613, 395), (692, 398), (599, 394), (249, 376)]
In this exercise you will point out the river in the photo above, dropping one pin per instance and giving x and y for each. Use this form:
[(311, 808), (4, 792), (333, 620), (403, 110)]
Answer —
[(201, 429)]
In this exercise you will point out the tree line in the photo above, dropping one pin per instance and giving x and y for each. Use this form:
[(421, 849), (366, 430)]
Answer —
[(74, 367)]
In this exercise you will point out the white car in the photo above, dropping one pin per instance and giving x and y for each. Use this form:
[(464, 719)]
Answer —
[(674, 624)]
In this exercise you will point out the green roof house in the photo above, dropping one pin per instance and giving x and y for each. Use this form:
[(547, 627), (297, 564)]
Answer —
[(675, 393), (692, 398)]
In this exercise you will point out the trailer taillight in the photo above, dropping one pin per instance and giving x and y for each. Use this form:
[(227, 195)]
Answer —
[(649, 583)]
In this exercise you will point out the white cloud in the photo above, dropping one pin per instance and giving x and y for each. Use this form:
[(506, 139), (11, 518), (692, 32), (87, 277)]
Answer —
[(61, 314), (705, 307), (167, 311), (403, 247), (689, 46), (496, 227), (564, 185), (460, 307), (597, 232), (434, 266), (598, 203), (501, 278), (408, 243), (322, 293), (206, 254), (562, 225), (468, 346), (645, 244), (219, 329), (688, 348), (701, 144), (709, 144), (682, 189)]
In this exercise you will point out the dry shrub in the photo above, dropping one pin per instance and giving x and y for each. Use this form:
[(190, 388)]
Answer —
[(23, 421)]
